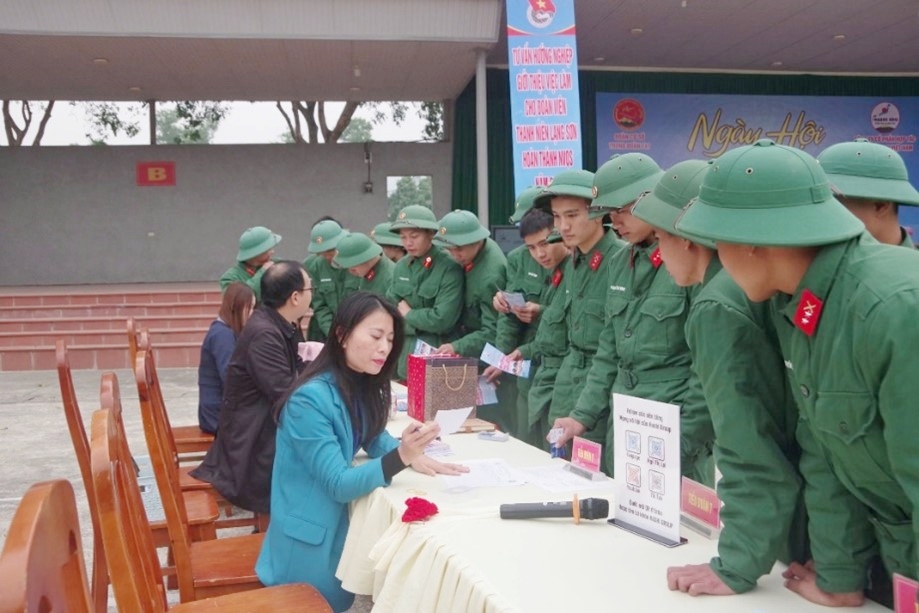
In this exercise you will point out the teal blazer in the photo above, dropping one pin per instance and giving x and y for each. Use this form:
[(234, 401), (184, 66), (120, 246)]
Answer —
[(313, 481)]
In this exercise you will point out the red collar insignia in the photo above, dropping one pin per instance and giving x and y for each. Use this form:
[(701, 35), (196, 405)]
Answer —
[(556, 277), (251, 270), (656, 258), (370, 275), (595, 260), (428, 262), (807, 316), (469, 266)]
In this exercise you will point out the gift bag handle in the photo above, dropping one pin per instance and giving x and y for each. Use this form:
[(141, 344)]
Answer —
[(447, 378)]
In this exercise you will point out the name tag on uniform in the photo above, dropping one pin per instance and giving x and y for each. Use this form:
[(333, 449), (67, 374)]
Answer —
[(533, 274), (404, 279)]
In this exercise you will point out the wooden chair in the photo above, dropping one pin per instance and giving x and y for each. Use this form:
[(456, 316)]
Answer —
[(137, 585), (203, 568), (188, 439), (202, 510), (148, 386), (42, 567)]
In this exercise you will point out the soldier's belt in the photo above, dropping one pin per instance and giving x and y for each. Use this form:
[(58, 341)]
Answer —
[(631, 378), (579, 358), (551, 361)]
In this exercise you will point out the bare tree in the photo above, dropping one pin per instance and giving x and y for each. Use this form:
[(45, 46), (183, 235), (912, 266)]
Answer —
[(15, 131)]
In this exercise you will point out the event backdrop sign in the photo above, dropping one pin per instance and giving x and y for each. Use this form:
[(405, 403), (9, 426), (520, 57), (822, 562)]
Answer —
[(675, 127), (545, 105)]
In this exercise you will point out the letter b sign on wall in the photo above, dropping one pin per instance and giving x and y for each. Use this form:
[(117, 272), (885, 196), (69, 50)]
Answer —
[(153, 174)]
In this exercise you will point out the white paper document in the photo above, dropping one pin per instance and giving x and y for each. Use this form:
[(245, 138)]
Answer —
[(484, 473), (493, 356), (515, 300), (554, 478), (485, 392), (423, 348), (451, 420)]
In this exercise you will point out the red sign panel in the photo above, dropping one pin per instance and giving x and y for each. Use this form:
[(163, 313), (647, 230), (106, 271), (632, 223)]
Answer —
[(152, 174)]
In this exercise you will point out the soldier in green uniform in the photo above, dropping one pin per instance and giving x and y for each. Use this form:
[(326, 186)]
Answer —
[(585, 276), (328, 279), (535, 269), (739, 375), (370, 270), (871, 180), (485, 267), (844, 308), (388, 240), (256, 246), (641, 350), (427, 285)]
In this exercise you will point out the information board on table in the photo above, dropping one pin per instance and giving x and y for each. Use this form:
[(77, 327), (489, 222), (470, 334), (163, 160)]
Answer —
[(647, 460)]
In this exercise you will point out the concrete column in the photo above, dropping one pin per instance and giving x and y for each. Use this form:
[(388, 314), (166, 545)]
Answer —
[(481, 138)]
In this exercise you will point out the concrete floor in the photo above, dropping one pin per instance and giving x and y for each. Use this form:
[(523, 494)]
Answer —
[(36, 445)]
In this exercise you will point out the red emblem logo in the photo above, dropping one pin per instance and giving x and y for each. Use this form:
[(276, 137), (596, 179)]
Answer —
[(656, 258), (595, 260), (556, 277), (468, 267), (370, 275), (428, 262), (629, 114), (807, 316)]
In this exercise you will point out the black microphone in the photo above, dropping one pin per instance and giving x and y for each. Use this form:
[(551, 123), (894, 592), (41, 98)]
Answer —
[(589, 508)]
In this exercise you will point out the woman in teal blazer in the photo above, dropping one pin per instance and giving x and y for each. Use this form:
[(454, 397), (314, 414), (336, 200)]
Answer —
[(339, 404)]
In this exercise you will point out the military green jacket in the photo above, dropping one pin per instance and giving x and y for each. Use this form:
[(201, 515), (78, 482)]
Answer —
[(849, 336), (378, 280), (433, 286), (244, 273), (479, 320), (642, 346), (736, 360), (328, 290), (524, 275), (584, 283), (907, 240)]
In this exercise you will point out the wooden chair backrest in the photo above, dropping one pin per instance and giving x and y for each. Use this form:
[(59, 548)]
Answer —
[(41, 567), (134, 566), (81, 449), (165, 462), (132, 339)]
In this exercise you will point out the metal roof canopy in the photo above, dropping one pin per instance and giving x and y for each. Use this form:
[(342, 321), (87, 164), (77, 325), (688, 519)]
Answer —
[(414, 49)]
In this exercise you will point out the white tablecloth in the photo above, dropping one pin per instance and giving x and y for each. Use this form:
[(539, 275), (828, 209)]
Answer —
[(467, 559)]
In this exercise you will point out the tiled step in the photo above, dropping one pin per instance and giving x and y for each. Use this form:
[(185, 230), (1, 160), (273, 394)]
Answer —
[(78, 296), (125, 310), (39, 324), (99, 357), (99, 337)]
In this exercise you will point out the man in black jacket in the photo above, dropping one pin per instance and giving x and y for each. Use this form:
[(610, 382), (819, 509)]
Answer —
[(263, 367)]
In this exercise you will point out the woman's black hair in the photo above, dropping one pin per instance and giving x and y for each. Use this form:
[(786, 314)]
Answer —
[(372, 392)]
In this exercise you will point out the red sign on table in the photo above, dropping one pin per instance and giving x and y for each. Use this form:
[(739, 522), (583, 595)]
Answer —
[(156, 174), (586, 454), (700, 502)]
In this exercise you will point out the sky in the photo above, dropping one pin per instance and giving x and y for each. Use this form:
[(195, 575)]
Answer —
[(245, 123)]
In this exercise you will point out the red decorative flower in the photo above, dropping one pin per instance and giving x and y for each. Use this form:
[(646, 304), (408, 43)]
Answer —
[(428, 262), (556, 277), (595, 260), (418, 509)]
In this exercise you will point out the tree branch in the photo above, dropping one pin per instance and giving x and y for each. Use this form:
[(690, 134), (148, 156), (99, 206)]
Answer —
[(309, 116), (323, 124), (294, 134), (44, 122), (343, 120)]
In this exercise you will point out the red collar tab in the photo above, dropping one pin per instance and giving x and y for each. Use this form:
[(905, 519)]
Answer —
[(656, 258), (428, 262), (469, 266), (370, 275), (807, 316), (556, 277), (250, 270), (595, 260)]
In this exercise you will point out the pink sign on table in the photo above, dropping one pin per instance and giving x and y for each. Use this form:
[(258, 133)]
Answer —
[(904, 594), (700, 502), (586, 454)]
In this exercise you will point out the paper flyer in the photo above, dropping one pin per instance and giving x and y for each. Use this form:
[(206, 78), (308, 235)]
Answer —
[(494, 357)]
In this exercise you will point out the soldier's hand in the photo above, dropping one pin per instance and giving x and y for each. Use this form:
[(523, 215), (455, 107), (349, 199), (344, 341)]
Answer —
[(697, 579), (403, 307), (445, 348), (491, 374), (267, 264), (500, 303), (571, 427), (802, 580), (515, 355), (528, 313)]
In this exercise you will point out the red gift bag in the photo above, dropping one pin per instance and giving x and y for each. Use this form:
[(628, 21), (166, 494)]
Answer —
[(438, 382)]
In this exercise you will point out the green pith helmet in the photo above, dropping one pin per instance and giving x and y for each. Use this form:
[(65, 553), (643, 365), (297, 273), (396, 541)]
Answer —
[(382, 234), (524, 203), (576, 183), (620, 180), (459, 228), (415, 216), (324, 236), (256, 241), (355, 248), (661, 206), (770, 195), (862, 169)]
